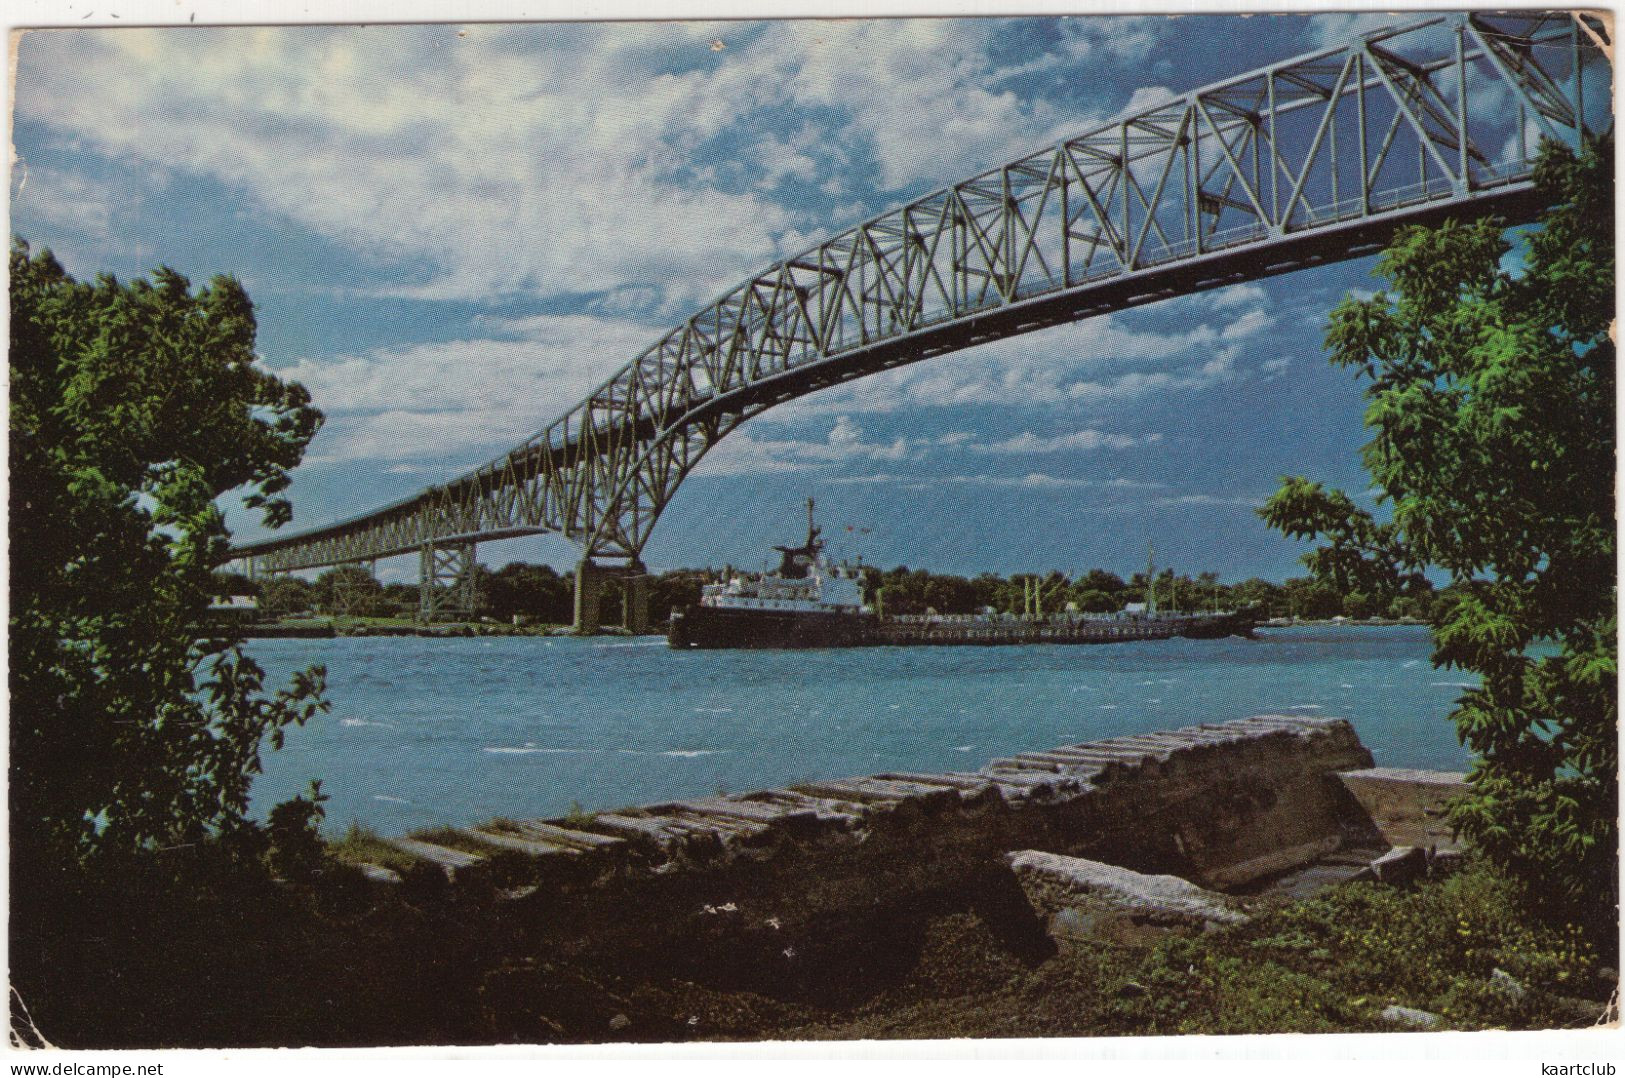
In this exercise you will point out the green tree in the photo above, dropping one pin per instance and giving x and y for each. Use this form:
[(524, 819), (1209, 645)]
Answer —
[(282, 594), (1491, 398), (351, 591), (134, 407)]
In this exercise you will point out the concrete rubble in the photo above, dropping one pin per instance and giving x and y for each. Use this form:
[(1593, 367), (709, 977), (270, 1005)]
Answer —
[(1087, 899), (1134, 832)]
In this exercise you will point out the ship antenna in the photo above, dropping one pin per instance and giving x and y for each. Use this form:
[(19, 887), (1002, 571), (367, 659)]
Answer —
[(1150, 578)]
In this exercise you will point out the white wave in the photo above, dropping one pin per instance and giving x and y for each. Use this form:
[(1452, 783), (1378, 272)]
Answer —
[(713, 711), (1084, 688), (635, 644), (365, 722), (1155, 700), (1107, 707), (522, 750), (1454, 684), (1408, 663), (1345, 685), (963, 748), (391, 800), (690, 753), (1303, 707)]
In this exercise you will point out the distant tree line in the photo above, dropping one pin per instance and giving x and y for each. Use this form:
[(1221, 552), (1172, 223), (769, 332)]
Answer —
[(540, 594), (1097, 591), (532, 593)]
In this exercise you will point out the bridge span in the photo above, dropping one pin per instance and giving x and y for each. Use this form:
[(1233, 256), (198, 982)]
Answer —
[(1312, 160)]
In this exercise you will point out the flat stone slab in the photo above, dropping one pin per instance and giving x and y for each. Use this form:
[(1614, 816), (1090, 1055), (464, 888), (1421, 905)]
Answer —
[(1407, 805), (1411, 1017), (1083, 898), (449, 859)]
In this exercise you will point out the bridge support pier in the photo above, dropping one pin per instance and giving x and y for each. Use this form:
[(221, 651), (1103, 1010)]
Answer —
[(589, 594), (351, 595), (635, 601), (589, 608), (446, 582)]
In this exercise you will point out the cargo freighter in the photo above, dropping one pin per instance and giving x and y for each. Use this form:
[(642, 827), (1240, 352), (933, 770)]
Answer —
[(811, 602)]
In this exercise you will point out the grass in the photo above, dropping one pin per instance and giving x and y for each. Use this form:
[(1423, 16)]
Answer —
[(1330, 963), (362, 846)]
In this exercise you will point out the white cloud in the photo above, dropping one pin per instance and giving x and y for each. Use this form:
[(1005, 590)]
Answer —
[(64, 200), (1236, 295), (1102, 360), (1338, 28), (1030, 481), (1254, 321), (470, 156), (744, 453), (1027, 442), (554, 158), (454, 397)]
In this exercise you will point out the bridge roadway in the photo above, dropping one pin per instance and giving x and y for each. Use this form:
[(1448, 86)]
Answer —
[(1317, 159)]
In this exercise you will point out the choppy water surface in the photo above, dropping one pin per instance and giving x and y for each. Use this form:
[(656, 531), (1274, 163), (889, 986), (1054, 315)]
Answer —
[(427, 731)]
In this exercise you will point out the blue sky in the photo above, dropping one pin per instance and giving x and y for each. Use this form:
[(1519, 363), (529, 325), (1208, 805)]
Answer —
[(452, 233)]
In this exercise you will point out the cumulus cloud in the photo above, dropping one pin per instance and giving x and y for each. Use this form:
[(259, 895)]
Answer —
[(1028, 442), (455, 397), (1030, 481), (547, 159), (745, 452), (1103, 360)]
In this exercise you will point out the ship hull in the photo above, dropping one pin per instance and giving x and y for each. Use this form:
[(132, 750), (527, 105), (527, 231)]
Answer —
[(720, 627), (723, 627)]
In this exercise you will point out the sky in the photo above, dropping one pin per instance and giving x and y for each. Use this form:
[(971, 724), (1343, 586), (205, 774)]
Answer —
[(453, 233)]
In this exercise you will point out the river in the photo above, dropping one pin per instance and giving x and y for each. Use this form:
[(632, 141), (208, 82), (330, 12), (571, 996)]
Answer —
[(428, 731)]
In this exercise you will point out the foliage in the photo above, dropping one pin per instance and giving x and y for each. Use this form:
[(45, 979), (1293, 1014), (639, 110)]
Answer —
[(1329, 963), (292, 828), (134, 407), (1491, 395), (531, 591)]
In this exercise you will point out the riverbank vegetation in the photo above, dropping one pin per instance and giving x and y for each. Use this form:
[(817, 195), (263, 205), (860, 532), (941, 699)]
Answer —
[(133, 408), (1490, 384), (537, 595)]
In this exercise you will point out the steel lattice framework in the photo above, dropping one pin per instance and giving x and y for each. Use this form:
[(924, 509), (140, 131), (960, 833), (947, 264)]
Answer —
[(1312, 160)]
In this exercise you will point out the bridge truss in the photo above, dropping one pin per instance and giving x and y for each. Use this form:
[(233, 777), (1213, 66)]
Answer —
[(1312, 160)]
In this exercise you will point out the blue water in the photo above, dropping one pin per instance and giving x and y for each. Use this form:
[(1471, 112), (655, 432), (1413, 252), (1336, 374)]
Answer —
[(427, 731)]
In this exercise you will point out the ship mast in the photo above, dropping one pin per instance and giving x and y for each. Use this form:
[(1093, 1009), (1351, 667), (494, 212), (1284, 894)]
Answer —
[(1150, 578)]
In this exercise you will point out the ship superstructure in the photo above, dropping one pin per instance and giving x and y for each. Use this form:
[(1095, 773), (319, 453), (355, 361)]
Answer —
[(808, 601)]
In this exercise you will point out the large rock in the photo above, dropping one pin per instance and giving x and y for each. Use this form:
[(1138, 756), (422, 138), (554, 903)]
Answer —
[(1400, 866), (1407, 805), (1081, 899)]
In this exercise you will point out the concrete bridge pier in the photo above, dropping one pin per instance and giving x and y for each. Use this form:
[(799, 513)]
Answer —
[(635, 600), (589, 596), (446, 582)]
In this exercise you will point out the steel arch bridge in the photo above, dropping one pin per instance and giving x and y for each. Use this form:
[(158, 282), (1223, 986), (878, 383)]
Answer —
[(1312, 160)]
